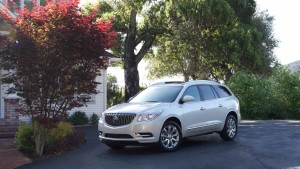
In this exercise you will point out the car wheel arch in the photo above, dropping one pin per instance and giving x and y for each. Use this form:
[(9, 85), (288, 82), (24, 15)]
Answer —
[(175, 119), (233, 113)]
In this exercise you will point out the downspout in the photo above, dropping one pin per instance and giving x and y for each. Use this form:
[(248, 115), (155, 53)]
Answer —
[(105, 88), (0, 93)]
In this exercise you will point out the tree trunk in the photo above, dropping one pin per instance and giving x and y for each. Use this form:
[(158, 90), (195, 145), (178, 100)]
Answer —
[(40, 135), (186, 77), (130, 59), (131, 78)]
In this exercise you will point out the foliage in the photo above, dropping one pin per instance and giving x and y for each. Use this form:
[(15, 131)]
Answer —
[(115, 94), (61, 138), (138, 23), (78, 118), (55, 55), (3, 41), (94, 119), (255, 95), (61, 131), (24, 139), (223, 37), (286, 90), (275, 97), (66, 144)]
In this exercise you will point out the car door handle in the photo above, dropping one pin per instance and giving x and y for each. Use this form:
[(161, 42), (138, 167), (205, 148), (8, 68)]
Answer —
[(202, 108), (220, 105)]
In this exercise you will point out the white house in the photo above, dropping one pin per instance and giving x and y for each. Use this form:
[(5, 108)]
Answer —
[(97, 103)]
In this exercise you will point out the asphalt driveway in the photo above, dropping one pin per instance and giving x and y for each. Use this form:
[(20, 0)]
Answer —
[(259, 145)]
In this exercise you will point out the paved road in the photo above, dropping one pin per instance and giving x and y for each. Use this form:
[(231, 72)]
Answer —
[(259, 145)]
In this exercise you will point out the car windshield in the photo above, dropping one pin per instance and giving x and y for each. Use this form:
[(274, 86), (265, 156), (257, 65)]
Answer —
[(166, 94)]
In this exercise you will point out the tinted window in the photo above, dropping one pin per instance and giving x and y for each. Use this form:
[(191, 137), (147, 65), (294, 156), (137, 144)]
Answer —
[(222, 91), (158, 94), (206, 92), (192, 91)]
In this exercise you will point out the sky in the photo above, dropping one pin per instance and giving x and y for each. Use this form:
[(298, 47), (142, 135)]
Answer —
[(286, 29)]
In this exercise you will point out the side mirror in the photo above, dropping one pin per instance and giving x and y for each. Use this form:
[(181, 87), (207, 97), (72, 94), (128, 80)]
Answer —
[(186, 98)]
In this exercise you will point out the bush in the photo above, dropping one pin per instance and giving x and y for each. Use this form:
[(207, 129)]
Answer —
[(63, 138), (61, 131), (78, 118), (94, 119), (24, 139), (276, 97), (254, 94)]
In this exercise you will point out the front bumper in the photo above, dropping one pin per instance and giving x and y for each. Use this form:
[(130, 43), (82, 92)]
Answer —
[(135, 132)]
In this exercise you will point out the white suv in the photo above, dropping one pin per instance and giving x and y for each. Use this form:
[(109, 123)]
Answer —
[(167, 113)]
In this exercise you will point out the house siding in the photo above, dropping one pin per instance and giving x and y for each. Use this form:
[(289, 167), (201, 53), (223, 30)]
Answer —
[(99, 105), (3, 94)]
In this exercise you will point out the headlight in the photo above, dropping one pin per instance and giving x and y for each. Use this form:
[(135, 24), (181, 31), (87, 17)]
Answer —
[(150, 115), (101, 117)]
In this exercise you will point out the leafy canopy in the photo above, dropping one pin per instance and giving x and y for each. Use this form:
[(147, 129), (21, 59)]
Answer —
[(55, 57), (213, 39)]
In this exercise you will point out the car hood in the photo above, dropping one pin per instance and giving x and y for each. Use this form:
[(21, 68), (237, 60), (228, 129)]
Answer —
[(135, 107)]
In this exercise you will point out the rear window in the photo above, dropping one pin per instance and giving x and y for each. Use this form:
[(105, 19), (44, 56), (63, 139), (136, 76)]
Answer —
[(206, 92), (222, 91)]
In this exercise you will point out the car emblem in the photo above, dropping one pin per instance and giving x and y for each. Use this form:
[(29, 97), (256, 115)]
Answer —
[(115, 117)]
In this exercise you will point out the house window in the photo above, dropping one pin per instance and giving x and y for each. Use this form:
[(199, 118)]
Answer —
[(88, 98)]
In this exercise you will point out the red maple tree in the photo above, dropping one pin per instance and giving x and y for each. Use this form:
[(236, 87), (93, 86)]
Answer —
[(55, 56)]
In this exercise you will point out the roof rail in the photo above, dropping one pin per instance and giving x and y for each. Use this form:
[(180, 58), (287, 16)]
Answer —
[(167, 82), (205, 81)]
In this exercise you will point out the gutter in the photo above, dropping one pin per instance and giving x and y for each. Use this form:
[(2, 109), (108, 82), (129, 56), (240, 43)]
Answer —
[(3, 8)]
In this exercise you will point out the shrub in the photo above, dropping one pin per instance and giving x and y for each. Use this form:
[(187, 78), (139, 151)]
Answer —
[(78, 118), (254, 94), (94, 119), (61, 131), (61, 138), (67, 143), (24, 139), (276, 97), (286, 89)]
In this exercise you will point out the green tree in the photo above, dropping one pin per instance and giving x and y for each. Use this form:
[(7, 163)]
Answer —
[(138, 23), (115, 94), (213, 39)]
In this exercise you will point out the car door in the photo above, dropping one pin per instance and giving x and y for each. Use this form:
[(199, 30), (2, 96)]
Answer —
[(192, 119), (211, 109), (224, 101)]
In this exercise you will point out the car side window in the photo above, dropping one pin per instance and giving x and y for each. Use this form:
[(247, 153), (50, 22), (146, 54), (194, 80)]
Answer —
[(222, 91), (206, 92), (192, 91)]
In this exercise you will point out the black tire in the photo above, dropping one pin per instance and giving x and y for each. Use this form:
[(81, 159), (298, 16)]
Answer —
[(115, 146), (230, 128), (170, 136)]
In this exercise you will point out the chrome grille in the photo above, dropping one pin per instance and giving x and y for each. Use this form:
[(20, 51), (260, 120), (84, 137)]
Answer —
[(119, 119)]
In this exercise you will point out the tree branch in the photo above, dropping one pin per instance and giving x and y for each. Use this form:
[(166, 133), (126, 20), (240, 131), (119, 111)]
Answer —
[(140, 38), (145, 48)]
